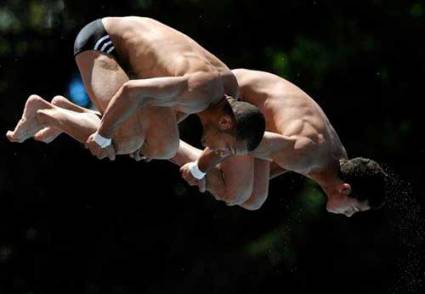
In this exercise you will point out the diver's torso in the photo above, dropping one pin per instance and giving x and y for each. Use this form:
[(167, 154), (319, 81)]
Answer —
[(151, 49), (292, 113)]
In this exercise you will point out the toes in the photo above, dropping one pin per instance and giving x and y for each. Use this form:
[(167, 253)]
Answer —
[(11, 136), (35, 101), (59, 100), (34, 96)]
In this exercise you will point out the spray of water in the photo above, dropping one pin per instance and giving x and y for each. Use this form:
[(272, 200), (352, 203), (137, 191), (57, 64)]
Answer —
[(408, 225)]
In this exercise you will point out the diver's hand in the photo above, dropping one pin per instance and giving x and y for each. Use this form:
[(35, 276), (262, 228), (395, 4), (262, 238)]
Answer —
[(97, 150), (202, 184), (186, 173), (138, 156)]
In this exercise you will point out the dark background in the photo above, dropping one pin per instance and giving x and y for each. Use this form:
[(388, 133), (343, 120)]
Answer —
[(72, 224)]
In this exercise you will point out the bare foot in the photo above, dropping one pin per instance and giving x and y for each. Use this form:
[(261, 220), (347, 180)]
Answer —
[(65, 103), (48, 134), (29, 125)]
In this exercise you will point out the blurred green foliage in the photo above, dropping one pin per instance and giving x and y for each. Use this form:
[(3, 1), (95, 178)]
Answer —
[(362, 61), (417, 9)]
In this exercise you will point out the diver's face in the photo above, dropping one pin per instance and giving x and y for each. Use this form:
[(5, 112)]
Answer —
[(219, 136), (223, 143), (343, 204)]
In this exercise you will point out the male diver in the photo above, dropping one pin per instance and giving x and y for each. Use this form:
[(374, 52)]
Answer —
[(144, 77), (298, 138)]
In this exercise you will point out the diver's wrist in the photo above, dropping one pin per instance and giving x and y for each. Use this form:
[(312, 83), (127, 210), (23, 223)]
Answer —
[(102, 141)]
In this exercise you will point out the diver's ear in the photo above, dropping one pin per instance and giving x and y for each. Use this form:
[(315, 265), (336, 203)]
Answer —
[(225, 122), (345, 189)]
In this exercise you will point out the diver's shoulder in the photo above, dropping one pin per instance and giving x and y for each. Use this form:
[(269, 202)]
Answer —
[(252, 75), (132, 20)]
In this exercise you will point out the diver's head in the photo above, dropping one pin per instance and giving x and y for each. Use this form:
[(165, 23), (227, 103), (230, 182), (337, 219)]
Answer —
[(362, 187), (234, 127)]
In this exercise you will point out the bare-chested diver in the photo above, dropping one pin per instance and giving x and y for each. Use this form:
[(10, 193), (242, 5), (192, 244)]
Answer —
[(144, 77), (299, 138)]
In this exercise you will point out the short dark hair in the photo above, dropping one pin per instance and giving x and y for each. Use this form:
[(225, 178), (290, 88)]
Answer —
[(367, 180), (249, 121)]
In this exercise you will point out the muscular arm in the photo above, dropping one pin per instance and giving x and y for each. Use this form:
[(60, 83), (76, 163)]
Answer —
[(164, 91), (271, 143), (209, 159), (186, 153), (137, 93), (231, 86)]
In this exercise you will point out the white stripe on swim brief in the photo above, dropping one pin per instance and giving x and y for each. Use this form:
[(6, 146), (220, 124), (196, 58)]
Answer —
[(106, 45), (96, 47)]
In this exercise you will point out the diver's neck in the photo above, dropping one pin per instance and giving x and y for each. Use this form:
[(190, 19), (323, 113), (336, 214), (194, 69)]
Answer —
[(327, 178), (210, 114), (205, 117)]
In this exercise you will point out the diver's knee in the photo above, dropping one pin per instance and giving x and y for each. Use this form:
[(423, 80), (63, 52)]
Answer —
[(250, 207), (235, 196), (255, 202)]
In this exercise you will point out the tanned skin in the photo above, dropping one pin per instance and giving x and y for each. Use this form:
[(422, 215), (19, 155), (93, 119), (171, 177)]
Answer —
[(298, 138), (162, 76)]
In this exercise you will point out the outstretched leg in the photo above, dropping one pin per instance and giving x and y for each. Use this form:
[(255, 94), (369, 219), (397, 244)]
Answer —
[(103, 77), (45, 121), (78, 125), (51, 120), (29, 123), (48, 134)]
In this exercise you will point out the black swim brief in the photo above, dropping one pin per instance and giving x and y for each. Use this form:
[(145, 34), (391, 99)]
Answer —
[(94, 37)]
